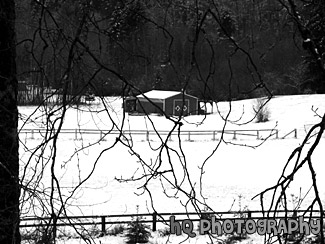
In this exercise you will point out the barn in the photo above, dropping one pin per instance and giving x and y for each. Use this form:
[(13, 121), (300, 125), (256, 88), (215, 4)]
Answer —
[(172, 103)]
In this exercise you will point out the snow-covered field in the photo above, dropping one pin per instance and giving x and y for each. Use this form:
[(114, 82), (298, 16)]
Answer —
[(233, 170)]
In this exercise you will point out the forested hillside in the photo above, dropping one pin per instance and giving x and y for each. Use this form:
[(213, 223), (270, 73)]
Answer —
[(213, 49)]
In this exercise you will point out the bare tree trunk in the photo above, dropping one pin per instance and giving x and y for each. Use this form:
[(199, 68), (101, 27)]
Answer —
[(9, 160)]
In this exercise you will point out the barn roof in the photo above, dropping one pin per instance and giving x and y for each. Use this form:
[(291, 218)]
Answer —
[(159, 94)]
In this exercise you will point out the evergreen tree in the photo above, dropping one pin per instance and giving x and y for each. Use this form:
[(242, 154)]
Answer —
[(137, 232), (312, 29)]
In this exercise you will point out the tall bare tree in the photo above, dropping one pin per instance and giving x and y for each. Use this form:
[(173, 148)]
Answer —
[(93, 46), (9, 161)]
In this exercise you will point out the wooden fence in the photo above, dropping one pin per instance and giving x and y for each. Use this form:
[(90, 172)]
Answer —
[(154, 218), (151, 135)]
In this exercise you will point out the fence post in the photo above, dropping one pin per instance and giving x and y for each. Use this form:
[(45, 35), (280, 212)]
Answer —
[(103, 224), (147, 135), (214, 136), (295, 133), (257, 134), (234, 135), (249, 214), (54, 231), (102, 136), (154, 221), (54, 225), (32, 136), (75, 134), (277, 134), (189, 136)]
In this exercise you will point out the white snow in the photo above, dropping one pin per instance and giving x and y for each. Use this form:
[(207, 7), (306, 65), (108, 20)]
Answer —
[(159, 94), (231, 171)]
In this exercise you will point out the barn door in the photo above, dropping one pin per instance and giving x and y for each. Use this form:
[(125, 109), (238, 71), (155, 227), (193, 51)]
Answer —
[(181, 107)]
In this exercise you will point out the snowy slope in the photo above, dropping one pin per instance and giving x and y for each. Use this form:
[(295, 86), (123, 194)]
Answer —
[(287, 112), (231, 171)]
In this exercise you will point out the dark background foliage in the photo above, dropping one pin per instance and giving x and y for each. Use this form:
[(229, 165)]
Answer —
[(170, 45)]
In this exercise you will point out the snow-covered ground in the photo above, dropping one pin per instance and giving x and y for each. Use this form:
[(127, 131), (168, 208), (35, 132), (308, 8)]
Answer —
[(231, 171)]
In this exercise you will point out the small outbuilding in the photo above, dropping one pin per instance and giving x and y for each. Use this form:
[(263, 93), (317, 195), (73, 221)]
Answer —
[(170, 103)]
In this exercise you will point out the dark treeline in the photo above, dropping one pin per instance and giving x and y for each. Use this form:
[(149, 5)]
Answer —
[(173, 45)]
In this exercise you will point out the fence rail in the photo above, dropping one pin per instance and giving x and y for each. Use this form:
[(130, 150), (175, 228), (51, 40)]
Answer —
[(154, 218), (294, 132), (147, 135)]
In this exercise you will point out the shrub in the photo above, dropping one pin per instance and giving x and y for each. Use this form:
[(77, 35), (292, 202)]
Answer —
[(116, 230), (315, 239), (234, 238), (40, 235), (261, 109), (164, 232), (91, 232), (137, 232)]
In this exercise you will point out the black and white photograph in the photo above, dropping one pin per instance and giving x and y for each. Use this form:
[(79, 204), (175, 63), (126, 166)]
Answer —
[(162, 121)]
